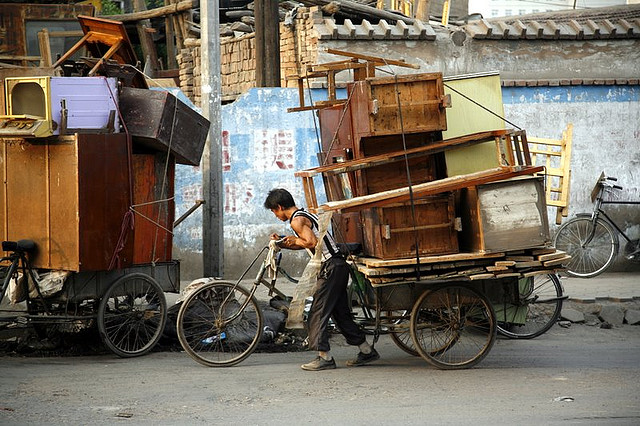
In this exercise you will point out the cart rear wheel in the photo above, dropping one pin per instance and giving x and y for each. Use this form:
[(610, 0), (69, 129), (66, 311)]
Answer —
[(219, 324), (453, 326), (540, 303), (132, 315)]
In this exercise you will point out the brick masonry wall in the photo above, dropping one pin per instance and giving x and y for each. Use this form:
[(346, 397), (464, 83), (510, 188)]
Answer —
[(298, 47)]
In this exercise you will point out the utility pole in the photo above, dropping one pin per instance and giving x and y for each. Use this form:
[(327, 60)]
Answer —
[(267, 43), (212, 229)]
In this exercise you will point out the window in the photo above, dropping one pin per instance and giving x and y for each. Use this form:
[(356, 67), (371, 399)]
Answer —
[(59, 45), (508, 12), (494, 12)]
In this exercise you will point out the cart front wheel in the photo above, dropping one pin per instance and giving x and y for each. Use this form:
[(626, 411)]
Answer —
[(132, 315), (453, 326), (400, 333), (219, 324)]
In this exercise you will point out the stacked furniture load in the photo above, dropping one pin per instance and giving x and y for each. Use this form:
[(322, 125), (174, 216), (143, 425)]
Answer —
[(97, 160), (385, 169)]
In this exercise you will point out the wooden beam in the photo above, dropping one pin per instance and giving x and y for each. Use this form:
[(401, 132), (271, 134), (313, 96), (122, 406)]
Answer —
[(428, 188), (376, 160), (146, 40), (376, 59), (156, 13), (45, 48)]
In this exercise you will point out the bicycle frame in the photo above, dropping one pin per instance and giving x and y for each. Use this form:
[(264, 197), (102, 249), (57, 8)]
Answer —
[(19, 260), (615, 225), (271, 285), (598, 210)]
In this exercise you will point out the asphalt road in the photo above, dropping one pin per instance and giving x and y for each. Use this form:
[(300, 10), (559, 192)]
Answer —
[(580, 375)]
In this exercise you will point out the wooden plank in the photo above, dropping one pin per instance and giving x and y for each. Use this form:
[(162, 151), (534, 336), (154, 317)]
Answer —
[(559, 261), (505, 263), (537, 252), (528, 264), (481, 277), (497, 268), (556, 255), (429, 188), (373, 262), (521, 258), (507, 274), (390, 271)]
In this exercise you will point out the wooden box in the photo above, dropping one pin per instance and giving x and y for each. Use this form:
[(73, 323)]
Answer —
[(373, 112), (154, 207), (375, 109), (504, 215), (160, 121), (69, 194), (389, 231)]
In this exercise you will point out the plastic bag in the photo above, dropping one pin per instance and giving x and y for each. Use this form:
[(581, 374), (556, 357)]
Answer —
[(307, 284), (49, 283)]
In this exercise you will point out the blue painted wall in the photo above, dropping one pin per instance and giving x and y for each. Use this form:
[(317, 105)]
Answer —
[(263, 146)]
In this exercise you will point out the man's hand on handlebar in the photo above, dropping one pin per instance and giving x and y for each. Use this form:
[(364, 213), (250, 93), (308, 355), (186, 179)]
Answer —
[(288, 241)]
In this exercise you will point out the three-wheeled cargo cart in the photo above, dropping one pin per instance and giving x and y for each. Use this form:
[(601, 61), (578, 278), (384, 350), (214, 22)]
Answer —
[(450, 318), (128, 305)]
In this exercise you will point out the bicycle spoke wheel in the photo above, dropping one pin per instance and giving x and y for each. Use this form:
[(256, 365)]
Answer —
[(538, 308), (587, 259), (453, 326), (132, 315), (219, 324)]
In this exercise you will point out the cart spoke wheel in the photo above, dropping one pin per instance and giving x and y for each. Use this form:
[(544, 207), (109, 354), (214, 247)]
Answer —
[(453, 326), (219, 324), (538, 308), (400, 333), (132, 315)]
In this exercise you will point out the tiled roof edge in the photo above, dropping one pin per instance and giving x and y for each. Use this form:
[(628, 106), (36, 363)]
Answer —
[(570, 82)]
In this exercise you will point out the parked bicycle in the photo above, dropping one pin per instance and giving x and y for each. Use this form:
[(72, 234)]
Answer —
[(592, 238)]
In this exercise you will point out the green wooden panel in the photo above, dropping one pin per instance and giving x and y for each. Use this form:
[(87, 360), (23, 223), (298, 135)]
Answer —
[(465, 117)]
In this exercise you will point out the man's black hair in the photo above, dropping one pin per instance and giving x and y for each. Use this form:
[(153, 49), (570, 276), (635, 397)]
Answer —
[(279, 197)]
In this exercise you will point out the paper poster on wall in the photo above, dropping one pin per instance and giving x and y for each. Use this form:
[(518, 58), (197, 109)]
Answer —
[(274, 150)]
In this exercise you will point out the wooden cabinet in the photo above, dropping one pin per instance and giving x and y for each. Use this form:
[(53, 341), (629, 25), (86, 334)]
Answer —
[(504, 215), (383, 115), (154, 206), (390, 232), (413, 103), (69, 194)]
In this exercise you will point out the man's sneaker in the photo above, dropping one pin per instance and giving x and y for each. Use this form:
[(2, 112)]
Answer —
[(319, 364), (363, 358)]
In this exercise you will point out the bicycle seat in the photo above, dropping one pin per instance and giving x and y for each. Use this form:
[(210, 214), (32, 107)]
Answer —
[(21, 246)]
